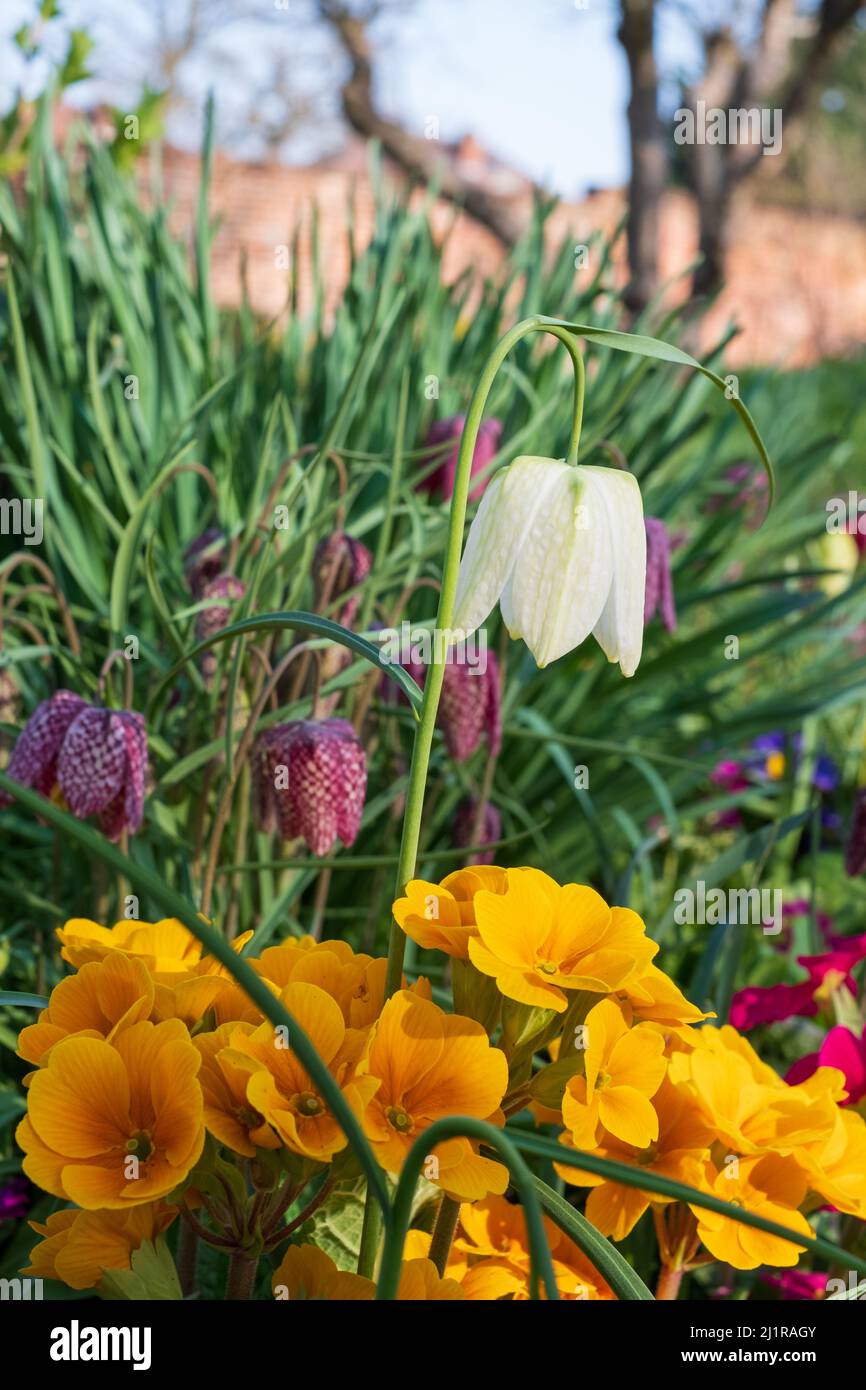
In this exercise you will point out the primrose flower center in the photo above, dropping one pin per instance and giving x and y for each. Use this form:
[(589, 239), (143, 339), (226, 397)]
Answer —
[(648, 1156), (547, 967), (140, 1144), (602, 1080), (250, 1119), (306, 1103), (398, 1119)]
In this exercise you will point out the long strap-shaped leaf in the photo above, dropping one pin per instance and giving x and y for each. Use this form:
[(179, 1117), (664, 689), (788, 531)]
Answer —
[(306, 622), (643, 346), (631, 1176), (464, 1127), (602, 1255)]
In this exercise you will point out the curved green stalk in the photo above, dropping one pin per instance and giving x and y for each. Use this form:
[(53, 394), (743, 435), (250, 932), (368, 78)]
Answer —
[(453, 550), (630, 1175), (454, 1127)]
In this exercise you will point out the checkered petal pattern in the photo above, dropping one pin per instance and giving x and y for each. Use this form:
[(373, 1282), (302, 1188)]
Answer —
[(326, 782), (469, 709), (34, 758), (96, 757)]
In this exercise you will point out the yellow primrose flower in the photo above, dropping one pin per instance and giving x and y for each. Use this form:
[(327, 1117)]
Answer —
[(538, 940), (167, 948), (652, 997), (680, 1152), (103, 998), (112, 1124), (769, 1186), (563, 550), (751, 1115), (307, 1274), (432, 1064), (495, 1231), (623, 1068), (836, 1164), (224, 1076), (79, 1246), (282, 1092), (441, 916), (170, 952)]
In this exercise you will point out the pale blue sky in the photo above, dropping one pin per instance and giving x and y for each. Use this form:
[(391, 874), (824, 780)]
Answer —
[(542, 83)]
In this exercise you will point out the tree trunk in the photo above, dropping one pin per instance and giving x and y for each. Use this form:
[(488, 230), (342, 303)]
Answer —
[(649, 159)]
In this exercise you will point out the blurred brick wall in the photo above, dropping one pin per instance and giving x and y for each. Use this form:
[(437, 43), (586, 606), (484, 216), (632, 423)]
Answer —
[(795, 281)]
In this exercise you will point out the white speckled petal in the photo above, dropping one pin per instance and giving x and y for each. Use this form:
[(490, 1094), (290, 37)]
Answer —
[(619, 631), (562, 578), (501, 524)]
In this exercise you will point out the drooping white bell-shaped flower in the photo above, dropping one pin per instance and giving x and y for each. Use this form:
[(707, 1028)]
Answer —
[(563, 550)]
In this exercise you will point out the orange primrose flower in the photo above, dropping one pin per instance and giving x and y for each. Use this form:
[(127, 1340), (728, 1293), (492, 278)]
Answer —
[(441, 916), (113, 1124), (79, 1246), (539, 939), (623, 1068), (280, 1090), (431, 1064), (103, 998)]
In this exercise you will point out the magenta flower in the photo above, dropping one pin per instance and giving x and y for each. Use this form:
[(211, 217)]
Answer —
[(339, 564), (464, 829), (659, 593), (204, 558), (730, 775), (797, 1283), (755, 1005), (441, 480), (14, 1199), (469, 706), (96, 758), (843, 1050), (309, 781)]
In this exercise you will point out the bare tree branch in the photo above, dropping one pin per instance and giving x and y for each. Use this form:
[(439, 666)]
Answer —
[(416, 156)]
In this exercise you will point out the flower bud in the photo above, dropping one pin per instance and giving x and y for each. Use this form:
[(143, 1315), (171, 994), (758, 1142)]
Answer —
[(95, 758), (309, 781)]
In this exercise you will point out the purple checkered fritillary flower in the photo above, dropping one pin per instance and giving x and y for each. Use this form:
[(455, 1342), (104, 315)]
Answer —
[(659, 593), (441, 480), (309, 782), (95, 758)]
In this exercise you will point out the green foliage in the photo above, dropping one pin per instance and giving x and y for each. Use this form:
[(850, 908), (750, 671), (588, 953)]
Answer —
[(142, 414)]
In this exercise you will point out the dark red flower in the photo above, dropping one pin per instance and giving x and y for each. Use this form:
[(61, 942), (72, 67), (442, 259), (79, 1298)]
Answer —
[(95, 757), (309, 781), (441, 480)]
